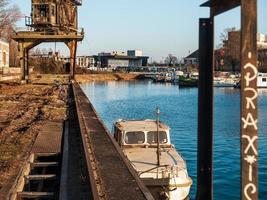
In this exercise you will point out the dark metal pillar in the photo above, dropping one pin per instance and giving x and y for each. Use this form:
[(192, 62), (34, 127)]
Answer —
[(205, 110), (27, 70), (249, 94), (22, 60)]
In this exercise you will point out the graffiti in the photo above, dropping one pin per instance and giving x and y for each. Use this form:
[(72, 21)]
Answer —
[(249, 119), (251, 99), (253, 191), (251, 160), (250, 144), (249, 78)]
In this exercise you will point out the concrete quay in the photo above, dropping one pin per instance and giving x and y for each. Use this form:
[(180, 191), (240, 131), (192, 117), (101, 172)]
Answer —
[(72, 156)]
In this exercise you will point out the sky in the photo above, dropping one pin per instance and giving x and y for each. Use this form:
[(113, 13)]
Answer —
[(157, 27)]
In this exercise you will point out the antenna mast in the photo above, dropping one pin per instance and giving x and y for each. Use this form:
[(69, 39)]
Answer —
[(158, 144)]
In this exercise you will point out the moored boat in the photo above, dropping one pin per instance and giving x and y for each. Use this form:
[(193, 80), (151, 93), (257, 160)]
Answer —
[(224, 82), (262, 80), (188, 82), (158, 164)]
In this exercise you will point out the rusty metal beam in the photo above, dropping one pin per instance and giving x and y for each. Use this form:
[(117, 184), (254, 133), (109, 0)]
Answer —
[(249, 94), (205, 110), (72, 45), (31, 36), (220, 6)]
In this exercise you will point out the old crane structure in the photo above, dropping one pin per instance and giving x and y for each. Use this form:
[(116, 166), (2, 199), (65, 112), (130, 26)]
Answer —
[(50, 21)]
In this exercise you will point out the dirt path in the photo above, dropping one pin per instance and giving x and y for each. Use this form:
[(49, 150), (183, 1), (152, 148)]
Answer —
[(23, 110)]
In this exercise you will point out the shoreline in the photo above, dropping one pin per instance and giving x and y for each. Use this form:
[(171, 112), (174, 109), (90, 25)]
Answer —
[(83, 78)]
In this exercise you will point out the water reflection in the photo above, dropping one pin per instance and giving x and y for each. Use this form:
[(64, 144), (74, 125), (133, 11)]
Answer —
[(138, 100)]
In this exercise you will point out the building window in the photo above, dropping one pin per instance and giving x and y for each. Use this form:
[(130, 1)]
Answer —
[(263, 79), (41, 10), (53, 10), (4, 59)]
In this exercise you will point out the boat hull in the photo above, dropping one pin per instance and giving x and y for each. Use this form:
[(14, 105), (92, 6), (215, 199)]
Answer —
[(161, 191)]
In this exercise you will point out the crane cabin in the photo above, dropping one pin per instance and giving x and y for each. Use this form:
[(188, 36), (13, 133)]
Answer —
[(53, 13)]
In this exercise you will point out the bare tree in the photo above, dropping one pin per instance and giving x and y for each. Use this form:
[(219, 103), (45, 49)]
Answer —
[(171, 60), (9, 15), (224, 36)]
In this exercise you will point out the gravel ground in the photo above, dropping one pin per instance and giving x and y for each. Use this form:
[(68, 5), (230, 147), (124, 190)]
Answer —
[(23, 110)]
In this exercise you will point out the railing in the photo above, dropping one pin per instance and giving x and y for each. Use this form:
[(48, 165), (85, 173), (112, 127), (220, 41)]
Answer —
[(49, 31)]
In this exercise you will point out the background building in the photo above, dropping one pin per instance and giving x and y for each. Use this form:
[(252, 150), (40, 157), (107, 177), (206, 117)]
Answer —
[(133, 58), (85, 61), (134, 53), (231, 48), (4, 54), (191, 59)]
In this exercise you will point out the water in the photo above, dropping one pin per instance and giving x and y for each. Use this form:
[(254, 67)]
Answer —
[(138, 100)]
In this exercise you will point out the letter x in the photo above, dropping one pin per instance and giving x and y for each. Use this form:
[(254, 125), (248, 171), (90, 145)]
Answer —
[(250, 144)]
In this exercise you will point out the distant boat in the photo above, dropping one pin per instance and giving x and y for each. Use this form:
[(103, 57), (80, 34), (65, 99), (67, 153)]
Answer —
[(261, 81), (159, 165), (188, 82), (224, 82), (163, 77)]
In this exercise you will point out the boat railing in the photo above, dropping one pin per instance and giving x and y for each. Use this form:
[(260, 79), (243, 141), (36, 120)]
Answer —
[(177, 168), (149, 170)]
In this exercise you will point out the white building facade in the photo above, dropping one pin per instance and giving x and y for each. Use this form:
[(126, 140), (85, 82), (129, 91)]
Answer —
[(4, 54), (261, 41), (85, 61)]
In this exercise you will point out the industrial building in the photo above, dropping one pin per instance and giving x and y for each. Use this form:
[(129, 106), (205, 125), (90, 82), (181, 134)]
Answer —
[(133, 58)]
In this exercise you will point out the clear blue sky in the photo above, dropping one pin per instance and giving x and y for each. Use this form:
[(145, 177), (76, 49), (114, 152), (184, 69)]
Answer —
[(158, 27)]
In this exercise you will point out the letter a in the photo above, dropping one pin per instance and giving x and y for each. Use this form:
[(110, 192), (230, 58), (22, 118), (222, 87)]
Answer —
[(249, 121)]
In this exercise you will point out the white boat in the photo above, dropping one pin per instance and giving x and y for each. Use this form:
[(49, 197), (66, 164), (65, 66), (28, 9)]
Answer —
[(159, 165), (224, 82), (163, 77), (262, 80)]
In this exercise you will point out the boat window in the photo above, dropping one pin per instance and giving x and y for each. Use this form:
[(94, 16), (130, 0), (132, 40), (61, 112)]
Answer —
[(137, 137), (153, 135), (263, 79)]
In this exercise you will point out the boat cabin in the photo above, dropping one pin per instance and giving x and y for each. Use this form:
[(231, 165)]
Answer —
[(262, 80), (141, 133)]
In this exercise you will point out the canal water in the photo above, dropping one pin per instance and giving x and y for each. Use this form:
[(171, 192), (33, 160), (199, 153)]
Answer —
[(115, 100)]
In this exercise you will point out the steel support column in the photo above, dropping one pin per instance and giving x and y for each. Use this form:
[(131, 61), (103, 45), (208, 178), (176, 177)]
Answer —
[(249, 94), (24, 48), (72, 45), (205, 110)]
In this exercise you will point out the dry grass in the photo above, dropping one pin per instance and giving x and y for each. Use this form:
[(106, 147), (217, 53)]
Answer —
[(105, 77)]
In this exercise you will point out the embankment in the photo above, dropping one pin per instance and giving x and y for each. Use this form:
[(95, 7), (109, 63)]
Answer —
[(81, 78)]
